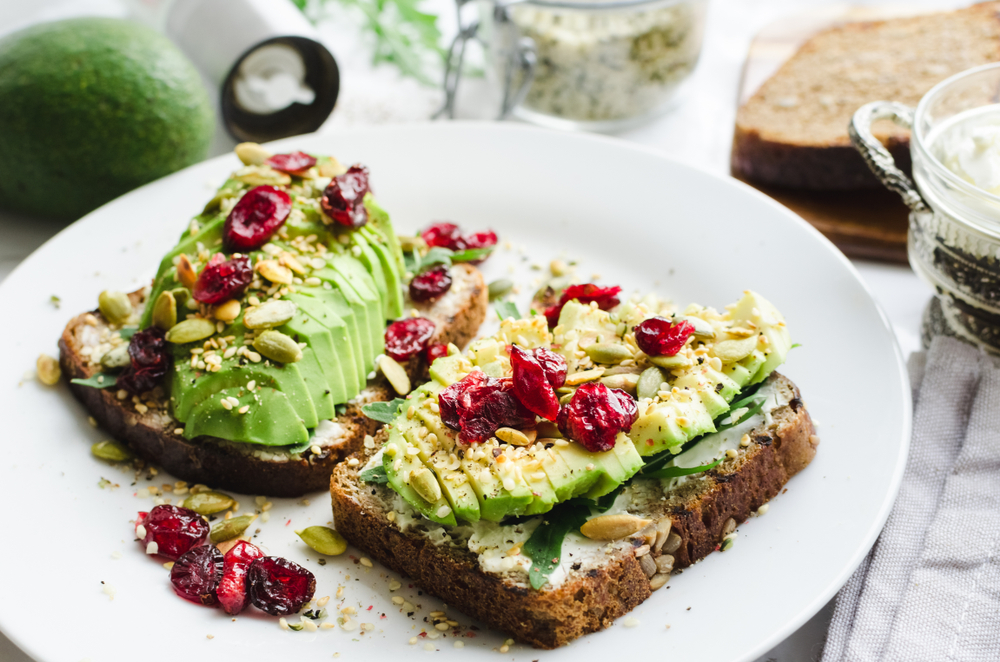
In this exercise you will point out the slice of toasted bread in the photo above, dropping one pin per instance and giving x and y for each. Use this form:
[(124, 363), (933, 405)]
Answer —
[(147, 426), (701, 510), (793, 131)]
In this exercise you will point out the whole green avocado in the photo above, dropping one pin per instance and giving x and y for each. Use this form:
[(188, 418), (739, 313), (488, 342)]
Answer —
[(91, 108)]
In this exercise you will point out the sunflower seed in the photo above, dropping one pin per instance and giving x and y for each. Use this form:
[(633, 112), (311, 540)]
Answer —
[(648, 565), (262, 175), (515, 437), (672, 544), (252, 154), (613, 527), (665, 563), (658, 581), (396, 374), (425, 484)]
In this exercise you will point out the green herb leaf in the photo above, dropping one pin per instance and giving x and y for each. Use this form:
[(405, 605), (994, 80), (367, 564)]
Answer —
[(472, 254), (674, 472), (376, 475), (544, 547), (794, 345), (100, 380), (600, 504), (506, 309), (126, 332), (751, 411), (383, 412)]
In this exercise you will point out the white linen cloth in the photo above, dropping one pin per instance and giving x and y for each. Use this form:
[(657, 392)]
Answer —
[(930, 587)]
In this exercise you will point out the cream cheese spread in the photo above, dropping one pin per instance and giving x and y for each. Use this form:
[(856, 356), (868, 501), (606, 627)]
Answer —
[(969, 146)]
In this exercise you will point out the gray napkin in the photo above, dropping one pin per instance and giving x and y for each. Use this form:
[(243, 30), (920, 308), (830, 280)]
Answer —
[(930, 587)]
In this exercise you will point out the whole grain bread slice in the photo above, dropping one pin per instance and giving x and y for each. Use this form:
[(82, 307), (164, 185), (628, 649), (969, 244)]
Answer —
[(698, 512), (146, 425), (793, 131)]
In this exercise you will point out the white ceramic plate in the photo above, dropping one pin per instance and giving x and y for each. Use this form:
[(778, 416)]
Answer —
[(635, 217)]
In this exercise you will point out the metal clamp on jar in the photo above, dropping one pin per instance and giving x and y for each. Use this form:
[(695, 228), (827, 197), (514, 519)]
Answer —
[(599, 66), (954, 237)]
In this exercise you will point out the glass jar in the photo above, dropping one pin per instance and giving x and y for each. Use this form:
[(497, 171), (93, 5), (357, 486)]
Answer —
[(954, 236), (600, 66)]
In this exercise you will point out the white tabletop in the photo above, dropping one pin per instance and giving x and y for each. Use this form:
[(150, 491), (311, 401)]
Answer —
[(698, 132)]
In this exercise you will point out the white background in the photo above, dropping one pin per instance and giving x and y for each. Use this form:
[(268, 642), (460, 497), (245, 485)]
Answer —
[(698, 132)]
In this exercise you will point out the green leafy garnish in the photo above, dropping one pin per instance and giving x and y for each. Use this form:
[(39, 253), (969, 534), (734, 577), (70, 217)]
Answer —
[(600, 504), (751, 411), (794, 345), (544, 547), (55, 301), (383, 412), (100, 380), (375, 475), (126, 332), (471, 254), (416, 263), (674, 472), (506, 309)]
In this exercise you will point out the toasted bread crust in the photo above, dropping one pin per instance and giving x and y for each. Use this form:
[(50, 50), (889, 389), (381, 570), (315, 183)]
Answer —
[(589, 601), (229, 466)]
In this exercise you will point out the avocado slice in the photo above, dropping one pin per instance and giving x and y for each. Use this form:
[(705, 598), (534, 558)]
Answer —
[(360, 308), (271, 417), (399, 465), (328, 339), (311, 366), (393, 278), (357, 277), (567, 471), (379, 220), (373, 264), (334, 306)]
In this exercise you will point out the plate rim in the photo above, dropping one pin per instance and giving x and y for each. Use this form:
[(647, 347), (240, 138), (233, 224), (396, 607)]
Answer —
[(862, 549)]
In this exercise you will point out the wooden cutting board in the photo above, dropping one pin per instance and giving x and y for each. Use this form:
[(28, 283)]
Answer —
[(865, 224)]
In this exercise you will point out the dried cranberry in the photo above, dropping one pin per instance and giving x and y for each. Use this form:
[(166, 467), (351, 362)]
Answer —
[(293, 163), (660, 337), (279, 586), (431, 284), (478, 405), (150, 357), (232, 590), (223, 280), (435, 351), (596, 415), (606, 298), (406, 338), (553, 364), (484, 239), (531, 384), (257, 216), (175, 530), (445, 235), (343, 198), (196, 575)]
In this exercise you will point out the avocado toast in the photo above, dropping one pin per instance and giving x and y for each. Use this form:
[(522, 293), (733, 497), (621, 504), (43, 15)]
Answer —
[(670, 430), (244, 365)]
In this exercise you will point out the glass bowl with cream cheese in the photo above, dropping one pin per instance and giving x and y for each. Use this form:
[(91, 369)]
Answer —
[(954, 197), (587, 64)]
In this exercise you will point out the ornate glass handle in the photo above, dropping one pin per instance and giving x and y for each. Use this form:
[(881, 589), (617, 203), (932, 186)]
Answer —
[(877, 156), (524, 59)]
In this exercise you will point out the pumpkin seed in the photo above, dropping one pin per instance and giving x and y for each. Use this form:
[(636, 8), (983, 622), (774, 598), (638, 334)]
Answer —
[(181, 296), (115, 306), (425, 484), (566, 399), (499, 288), (276, 346), (670, 362), (608, 352), (515, 437), (228, 311), (578, 378), (613, 527), (730, 351), (165, 311), (271, 313), (48, 370), (185, 272), (190, 330), (396, 374), (262, 175), (324, 540), (252, 154), (547, 429), (702, 330), (116, 358), (649, 382), (625, 382), (274, 272), (209, 503), (228, 529), (112, 451)]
